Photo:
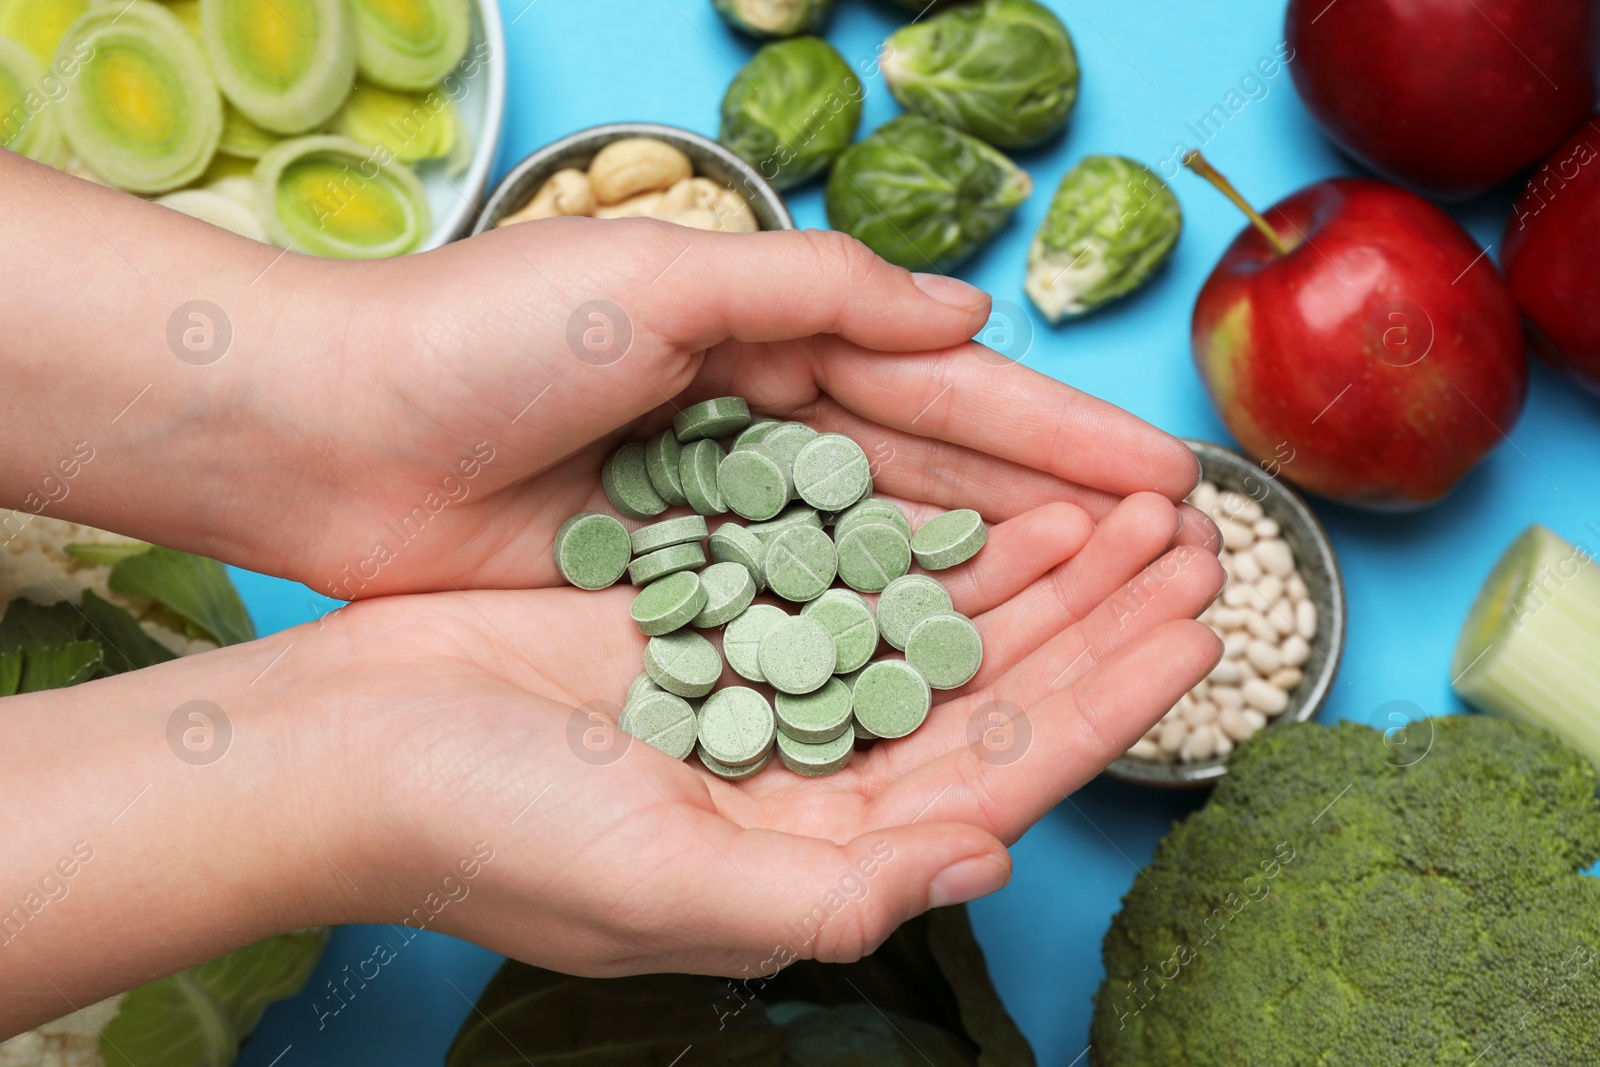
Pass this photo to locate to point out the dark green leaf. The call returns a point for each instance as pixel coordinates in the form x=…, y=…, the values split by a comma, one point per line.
x=106, y=555
x=10, y=673
x=859, y=1035
x=983, y=1016
x=57, y=668
x=194, y=588
x=246, y=981
x=170, y=1023
x=127, y=647
x=27, y=626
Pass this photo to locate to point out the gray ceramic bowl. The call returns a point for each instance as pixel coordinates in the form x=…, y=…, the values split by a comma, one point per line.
x=710, y=160
x=1313, y=554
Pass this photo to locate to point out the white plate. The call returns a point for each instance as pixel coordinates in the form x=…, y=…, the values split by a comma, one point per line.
x=479, y=90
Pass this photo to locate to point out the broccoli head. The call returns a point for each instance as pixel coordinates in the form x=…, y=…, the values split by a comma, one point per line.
x=1347, y=899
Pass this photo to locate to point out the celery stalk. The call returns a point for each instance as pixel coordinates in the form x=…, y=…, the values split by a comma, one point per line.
x=1530, y=648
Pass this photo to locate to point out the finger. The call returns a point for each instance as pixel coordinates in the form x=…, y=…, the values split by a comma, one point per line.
x=1019, y=553
x=1063, y=741
x=1198, y=529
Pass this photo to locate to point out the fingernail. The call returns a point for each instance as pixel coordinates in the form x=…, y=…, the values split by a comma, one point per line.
x=968, y=879
x=952, y=291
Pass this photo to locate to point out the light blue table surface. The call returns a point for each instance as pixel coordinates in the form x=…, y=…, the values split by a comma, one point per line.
x=1149, y=69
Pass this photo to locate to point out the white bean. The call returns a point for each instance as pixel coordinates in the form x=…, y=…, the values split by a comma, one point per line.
x=1226, y=672
x=1226, y=696
x=1224, y=744
x=1145, y=749
x=1246, y=566
x=1295, y=586
x=1224, y=617
x=1201, y=744
x=1305, y=619
x=1275, y=556
x=1286, y=678
x=1265, y=697
x=1266, y=528
x=1172, y=735
x=1246, y=671
x=1296, y=650
x=1254, y=719
x=1264, y=657
x=1202, y=713
x=1260, y=628
x=1201, y=689
x=1204, y=497
x=1232, y=503
x=1236, y=595
x=1281, y=615
x=1234, y=644
x=1232, y=724
x=1236, y=537
x=1270, y=587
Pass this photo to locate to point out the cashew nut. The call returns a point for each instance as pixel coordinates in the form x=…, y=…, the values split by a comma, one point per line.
x=706, y=205
x=635, y=165
x=566, y=192
x=645, y=205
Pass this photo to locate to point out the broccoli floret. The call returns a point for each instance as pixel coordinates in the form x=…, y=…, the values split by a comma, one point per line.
x=1342, y=899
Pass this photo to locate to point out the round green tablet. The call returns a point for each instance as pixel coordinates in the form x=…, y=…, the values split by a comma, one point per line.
x=588, y=548
x=668, y=604
x=800, y=563
x=697, y=469
x=662, y=721
x=907, y=601
x=872, y=509
x=831, y=472
x=873, y=554
x=783, y=443
x=741, y=640
x=712, y=418
x=816, y=760
x=663, y=455
x=736, y=726
x=758, y=429
x=752, y=484
x=668, y=532
x=948, y=539
x=627, y=483
x=729, y=590
x=849, y=619
x=946, y=648
x=793, y=515
x=732, y=543
x=821, y=715
x=639, y=687
x=665, y=561
x=797, y=655
x=861, y=732
x=891, y=698
x=683, y=662
x=733, y=774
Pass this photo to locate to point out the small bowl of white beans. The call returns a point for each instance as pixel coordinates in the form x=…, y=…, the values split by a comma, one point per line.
x=1281, y=617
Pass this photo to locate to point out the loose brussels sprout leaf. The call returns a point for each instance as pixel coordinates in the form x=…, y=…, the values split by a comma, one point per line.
x=414, y=126
x=39, y=25
x=143, y=111
x=170, y=1023
x=286, y=64
x=411, y=44
x=923, y=195
x=792, y=109
x=242, y=138
x=775, y=18
x=193, y=588
x=1002, y=70
x=330, y=196
x=218, y=209
x=1112, y=224
x=245, y=982
x=28, y=124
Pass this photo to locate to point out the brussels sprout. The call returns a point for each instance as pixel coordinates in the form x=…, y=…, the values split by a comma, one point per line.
x=1002, y=70
x=792, y=109
x=775, y=18
x=1112, y=223
x=923, y=195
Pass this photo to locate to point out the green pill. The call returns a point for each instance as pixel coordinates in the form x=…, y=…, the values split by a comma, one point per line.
x=793, y=515
x=662, y=721
x=741, y=640
x=891, y=698
x=860, y=732
x=948, y=539
x=873, y=554
x=816, y=760
x=733, y=774
x=729, y=590
x=800, y=563
x=663, y=455
x=752, y=484
x=712, y=418
x=817, y=716
x=907, y=601
x=587, y=549
x=946, y=649
x=683, y=663
x=796, y=655
x=627, y=483
x=667, y=533
x=783, y=444
x=736, y=726
x=757, y=430
x=697, y=469
x=872, y=509
x=639, y=687
x=848, y=618
x=732, y=543
x=831, y=472
x=668, y=604
x=665, y=561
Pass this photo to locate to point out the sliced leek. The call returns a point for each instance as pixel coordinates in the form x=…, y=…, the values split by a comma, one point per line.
x=219, y=209
x=1530, y=648
x=414, y=126
x=188, y=12
x=286, y=64
x=28, y=123
x=411, y=44
x=243, y=138
x=331, y=196
x=39, y=25
x=143, y=111
x=224, y=166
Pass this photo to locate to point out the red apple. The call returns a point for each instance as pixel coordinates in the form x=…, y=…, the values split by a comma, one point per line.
x=1447, y=96
x=1360, y=343
x=1551, y=255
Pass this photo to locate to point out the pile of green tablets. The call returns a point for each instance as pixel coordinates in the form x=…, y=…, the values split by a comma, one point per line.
x=815, y=689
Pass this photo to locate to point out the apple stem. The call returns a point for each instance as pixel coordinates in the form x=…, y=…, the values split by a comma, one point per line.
x=1198, y=163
